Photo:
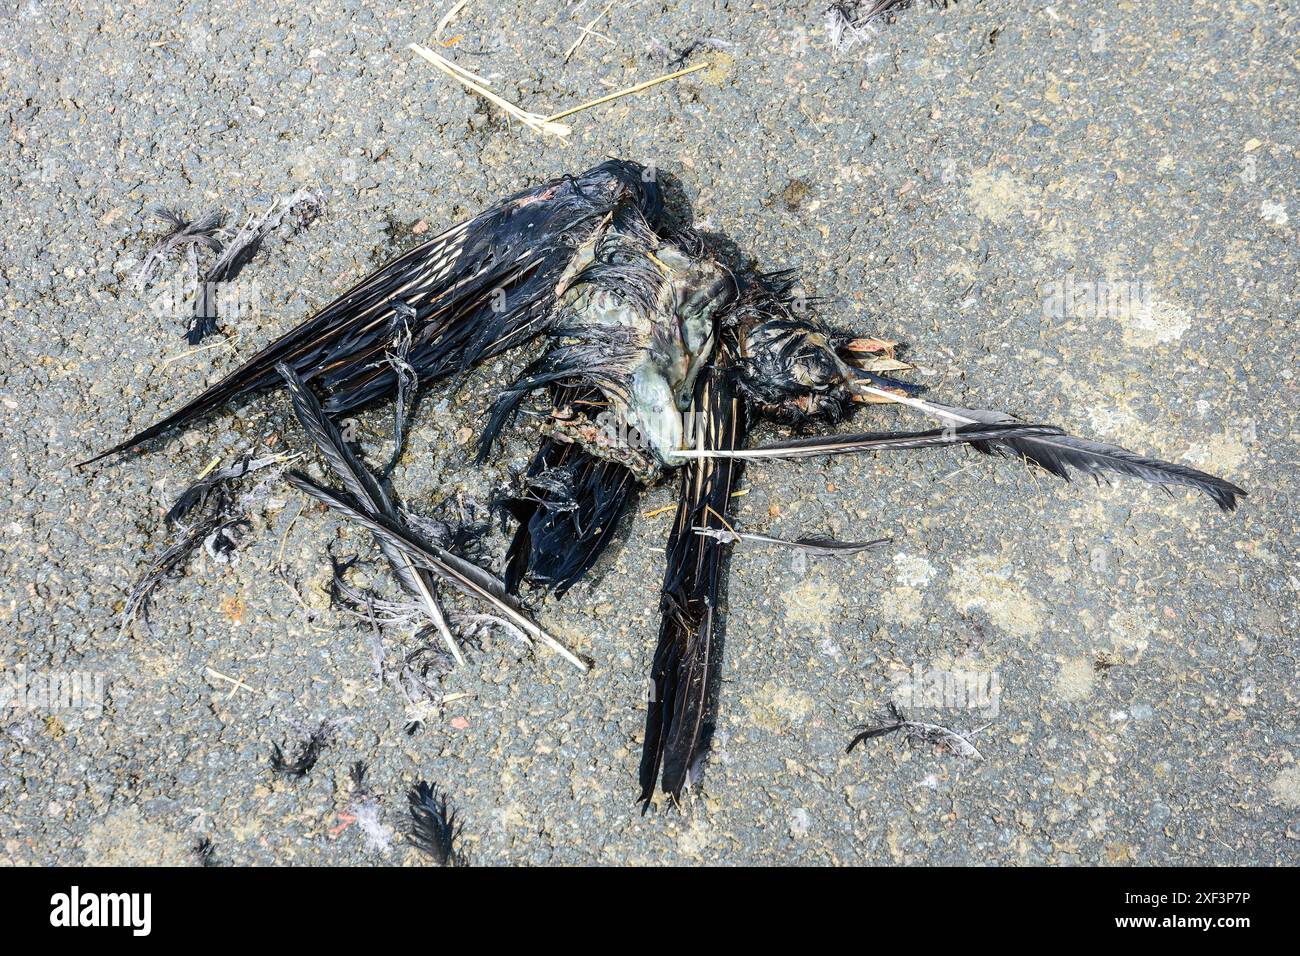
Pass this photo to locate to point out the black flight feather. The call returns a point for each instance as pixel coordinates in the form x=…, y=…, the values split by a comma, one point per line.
x=686, y=651
x=1058, y=453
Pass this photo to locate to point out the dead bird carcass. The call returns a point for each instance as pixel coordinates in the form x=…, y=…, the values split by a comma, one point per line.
x=656, y=355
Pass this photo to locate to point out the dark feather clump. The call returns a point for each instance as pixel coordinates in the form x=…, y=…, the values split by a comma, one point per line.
x=200, y=494
x=568, y=511
x=434, y=827
x=599, y=357
x=849, y=16
x=620, y=264
x=238, y=251
x=357, y=773
x=309, y=752
x=203, y=852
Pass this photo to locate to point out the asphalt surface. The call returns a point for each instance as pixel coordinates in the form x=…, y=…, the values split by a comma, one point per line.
x=937, y=183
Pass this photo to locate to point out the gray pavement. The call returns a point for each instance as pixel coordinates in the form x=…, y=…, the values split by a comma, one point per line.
x=945, y=182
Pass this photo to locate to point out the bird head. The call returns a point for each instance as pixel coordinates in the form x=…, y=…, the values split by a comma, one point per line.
x=797, y=370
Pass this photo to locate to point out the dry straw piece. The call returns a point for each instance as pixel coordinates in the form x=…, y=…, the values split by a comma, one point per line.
x=536, y=121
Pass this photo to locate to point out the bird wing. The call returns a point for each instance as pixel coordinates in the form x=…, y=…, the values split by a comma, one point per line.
x=476, y=290
x=568, y=509
x=688, y=633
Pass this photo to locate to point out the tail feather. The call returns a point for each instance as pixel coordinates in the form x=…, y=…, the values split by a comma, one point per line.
x=688, y=634
x=876, y=441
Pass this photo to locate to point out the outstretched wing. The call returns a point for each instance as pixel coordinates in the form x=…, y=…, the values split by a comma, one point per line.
x=475, y=290
x=687, y=652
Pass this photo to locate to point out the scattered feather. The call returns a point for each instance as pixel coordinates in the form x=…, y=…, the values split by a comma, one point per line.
x=185, y=238
x=238, y=251
x=848, y=22
x=919, y=731
x=171, y=560
x=209, y=516
x=817, y=545
x=364, y=808
x=198, y=495
x=434, y=828
x=309, y=752
x=678, y=56
x=423, y=697
x=203, y=852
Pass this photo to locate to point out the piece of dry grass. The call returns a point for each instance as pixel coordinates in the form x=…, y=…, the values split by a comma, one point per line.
x=535, y=121
x=627, y=91
x=588, y=30
x=477, y=84
x=447, y=17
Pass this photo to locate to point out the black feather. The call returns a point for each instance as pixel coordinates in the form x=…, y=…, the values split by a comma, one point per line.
x=184, y=236
x=203, y=852
x=1058, y=453
x=817, y=545
x=434, y=827
x=237, y=252
x=871, y=732
x=567, y=513
x=408, y=379
x=686, y=654
x=877, y=441
x=309, y=752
